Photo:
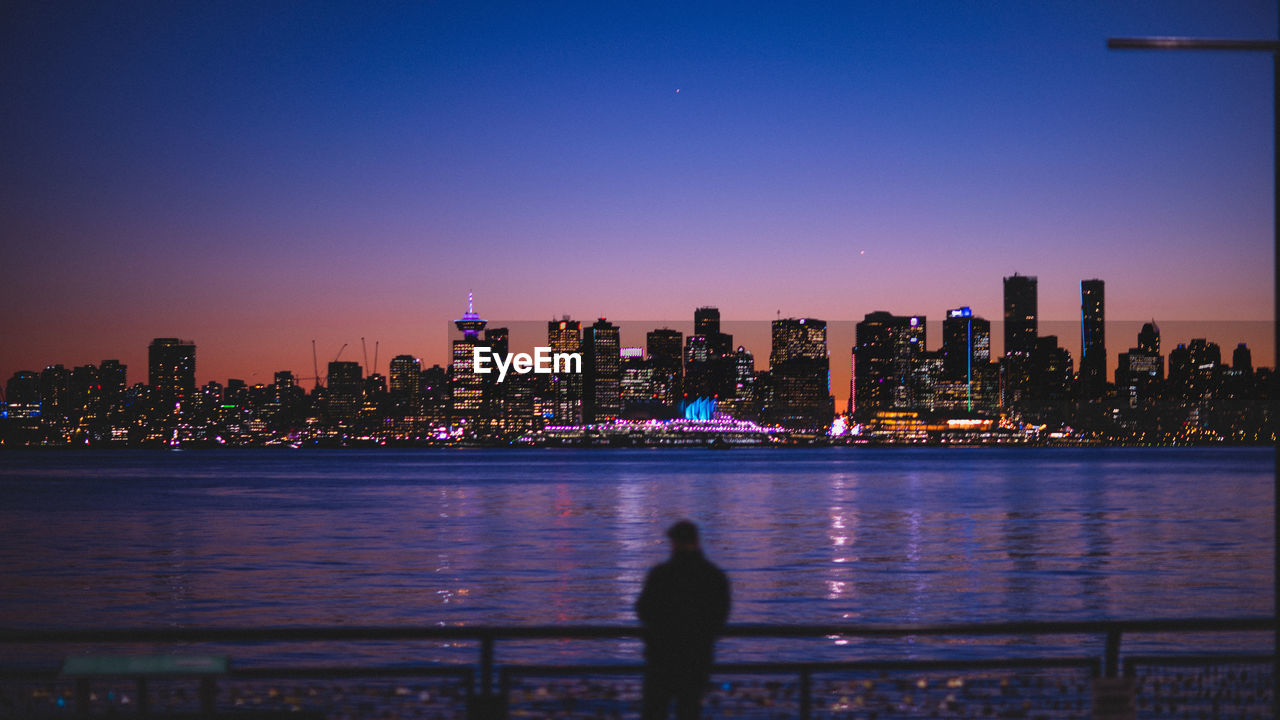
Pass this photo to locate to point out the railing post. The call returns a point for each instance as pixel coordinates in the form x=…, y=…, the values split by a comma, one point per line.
x=486, y=664
x=806, y=689
x=486, y=705
x=82, y=696
x=1113, y=653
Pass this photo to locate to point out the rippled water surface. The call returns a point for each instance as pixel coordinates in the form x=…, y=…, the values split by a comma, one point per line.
x=564, y=536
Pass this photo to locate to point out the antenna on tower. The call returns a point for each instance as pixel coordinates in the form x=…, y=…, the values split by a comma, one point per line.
x=470, y=307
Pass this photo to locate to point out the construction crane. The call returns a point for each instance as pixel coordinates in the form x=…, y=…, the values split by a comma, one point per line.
x=315, y=365
x=365, y=350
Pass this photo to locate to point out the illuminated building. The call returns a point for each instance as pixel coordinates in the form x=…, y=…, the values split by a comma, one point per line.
x=171, y=367
x=637, y=385
x=966, y=359
x=434, y=390
x=601, y=373
x=887, y=356
x=565, y=392
x=663, y=347
x=1139, y=374
x=22, y=393
x=406, y=376
x=87, y=411
x=55, y=396
x=698, y=378
x=1194, y=373
x=742, y=402
x=494, y=400
x=1093, y=347
x=706, y=322
x=702, y=430
x=112, y=374
x=466, y=387
x=708, y=358
x=346, y=389
x=800, y=391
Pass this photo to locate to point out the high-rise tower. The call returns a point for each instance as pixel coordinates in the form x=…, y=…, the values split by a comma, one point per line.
x=466, y=386
x=799, y=372
x=1093, y=346
x=1020, y=314
x=601, y=373
x=171, y=369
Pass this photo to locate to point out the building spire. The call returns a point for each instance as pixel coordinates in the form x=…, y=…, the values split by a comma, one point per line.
x=470, y=324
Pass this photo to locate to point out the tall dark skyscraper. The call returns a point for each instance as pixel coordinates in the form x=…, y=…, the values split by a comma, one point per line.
x=1020, y=314
x=1093, y=346
x=708, y=363
x=1149, y=337
x=1139, y=373
x=664, y=347
x=706, y=321
x=601, y=373
x=1021, y=329
x=346, y=389
x=171, y=369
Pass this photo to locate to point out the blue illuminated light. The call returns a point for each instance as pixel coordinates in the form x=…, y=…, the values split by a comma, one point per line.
x=703, y=408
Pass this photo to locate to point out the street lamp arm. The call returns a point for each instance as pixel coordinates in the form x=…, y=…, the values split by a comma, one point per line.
x=1187, y=43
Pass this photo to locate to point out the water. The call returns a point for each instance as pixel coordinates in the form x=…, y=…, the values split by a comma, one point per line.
x=540, y=536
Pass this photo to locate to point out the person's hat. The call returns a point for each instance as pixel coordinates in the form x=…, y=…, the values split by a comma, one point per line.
x=683, y=532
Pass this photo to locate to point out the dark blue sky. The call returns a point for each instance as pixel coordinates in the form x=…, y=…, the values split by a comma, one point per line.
x=256, y=175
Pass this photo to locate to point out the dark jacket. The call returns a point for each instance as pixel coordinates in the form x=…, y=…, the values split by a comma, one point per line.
x=684, y=605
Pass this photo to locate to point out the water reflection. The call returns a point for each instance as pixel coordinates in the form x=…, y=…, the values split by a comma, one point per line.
x=565, y=537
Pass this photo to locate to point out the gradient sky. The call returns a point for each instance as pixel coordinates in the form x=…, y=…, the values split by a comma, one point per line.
x=253, y=176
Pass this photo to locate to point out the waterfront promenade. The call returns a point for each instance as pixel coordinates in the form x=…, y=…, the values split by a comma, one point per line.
x=1200, y=667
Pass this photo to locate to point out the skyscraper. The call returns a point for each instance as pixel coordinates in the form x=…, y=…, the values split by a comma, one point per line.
x=663, y=347
x=601, y=373
x=1093, y=347
x=1139, y=374
x=565, y=390
x=966, y=356
x=886, y=346
x=171, y=370
x=1020, y=331
x=406, y=373
x=800, y=395
x=466, y=386
x=1020, y=314
x=346, y=389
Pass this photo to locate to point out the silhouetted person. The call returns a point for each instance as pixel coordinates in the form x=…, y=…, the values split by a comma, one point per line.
x=684, y=605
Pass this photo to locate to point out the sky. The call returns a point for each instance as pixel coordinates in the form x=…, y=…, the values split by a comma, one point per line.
x=255, y=176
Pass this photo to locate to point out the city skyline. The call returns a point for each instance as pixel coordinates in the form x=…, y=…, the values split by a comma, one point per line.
x=257, y=178
x=753, y=335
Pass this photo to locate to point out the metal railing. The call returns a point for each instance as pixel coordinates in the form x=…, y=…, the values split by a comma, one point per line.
x=477, y=681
